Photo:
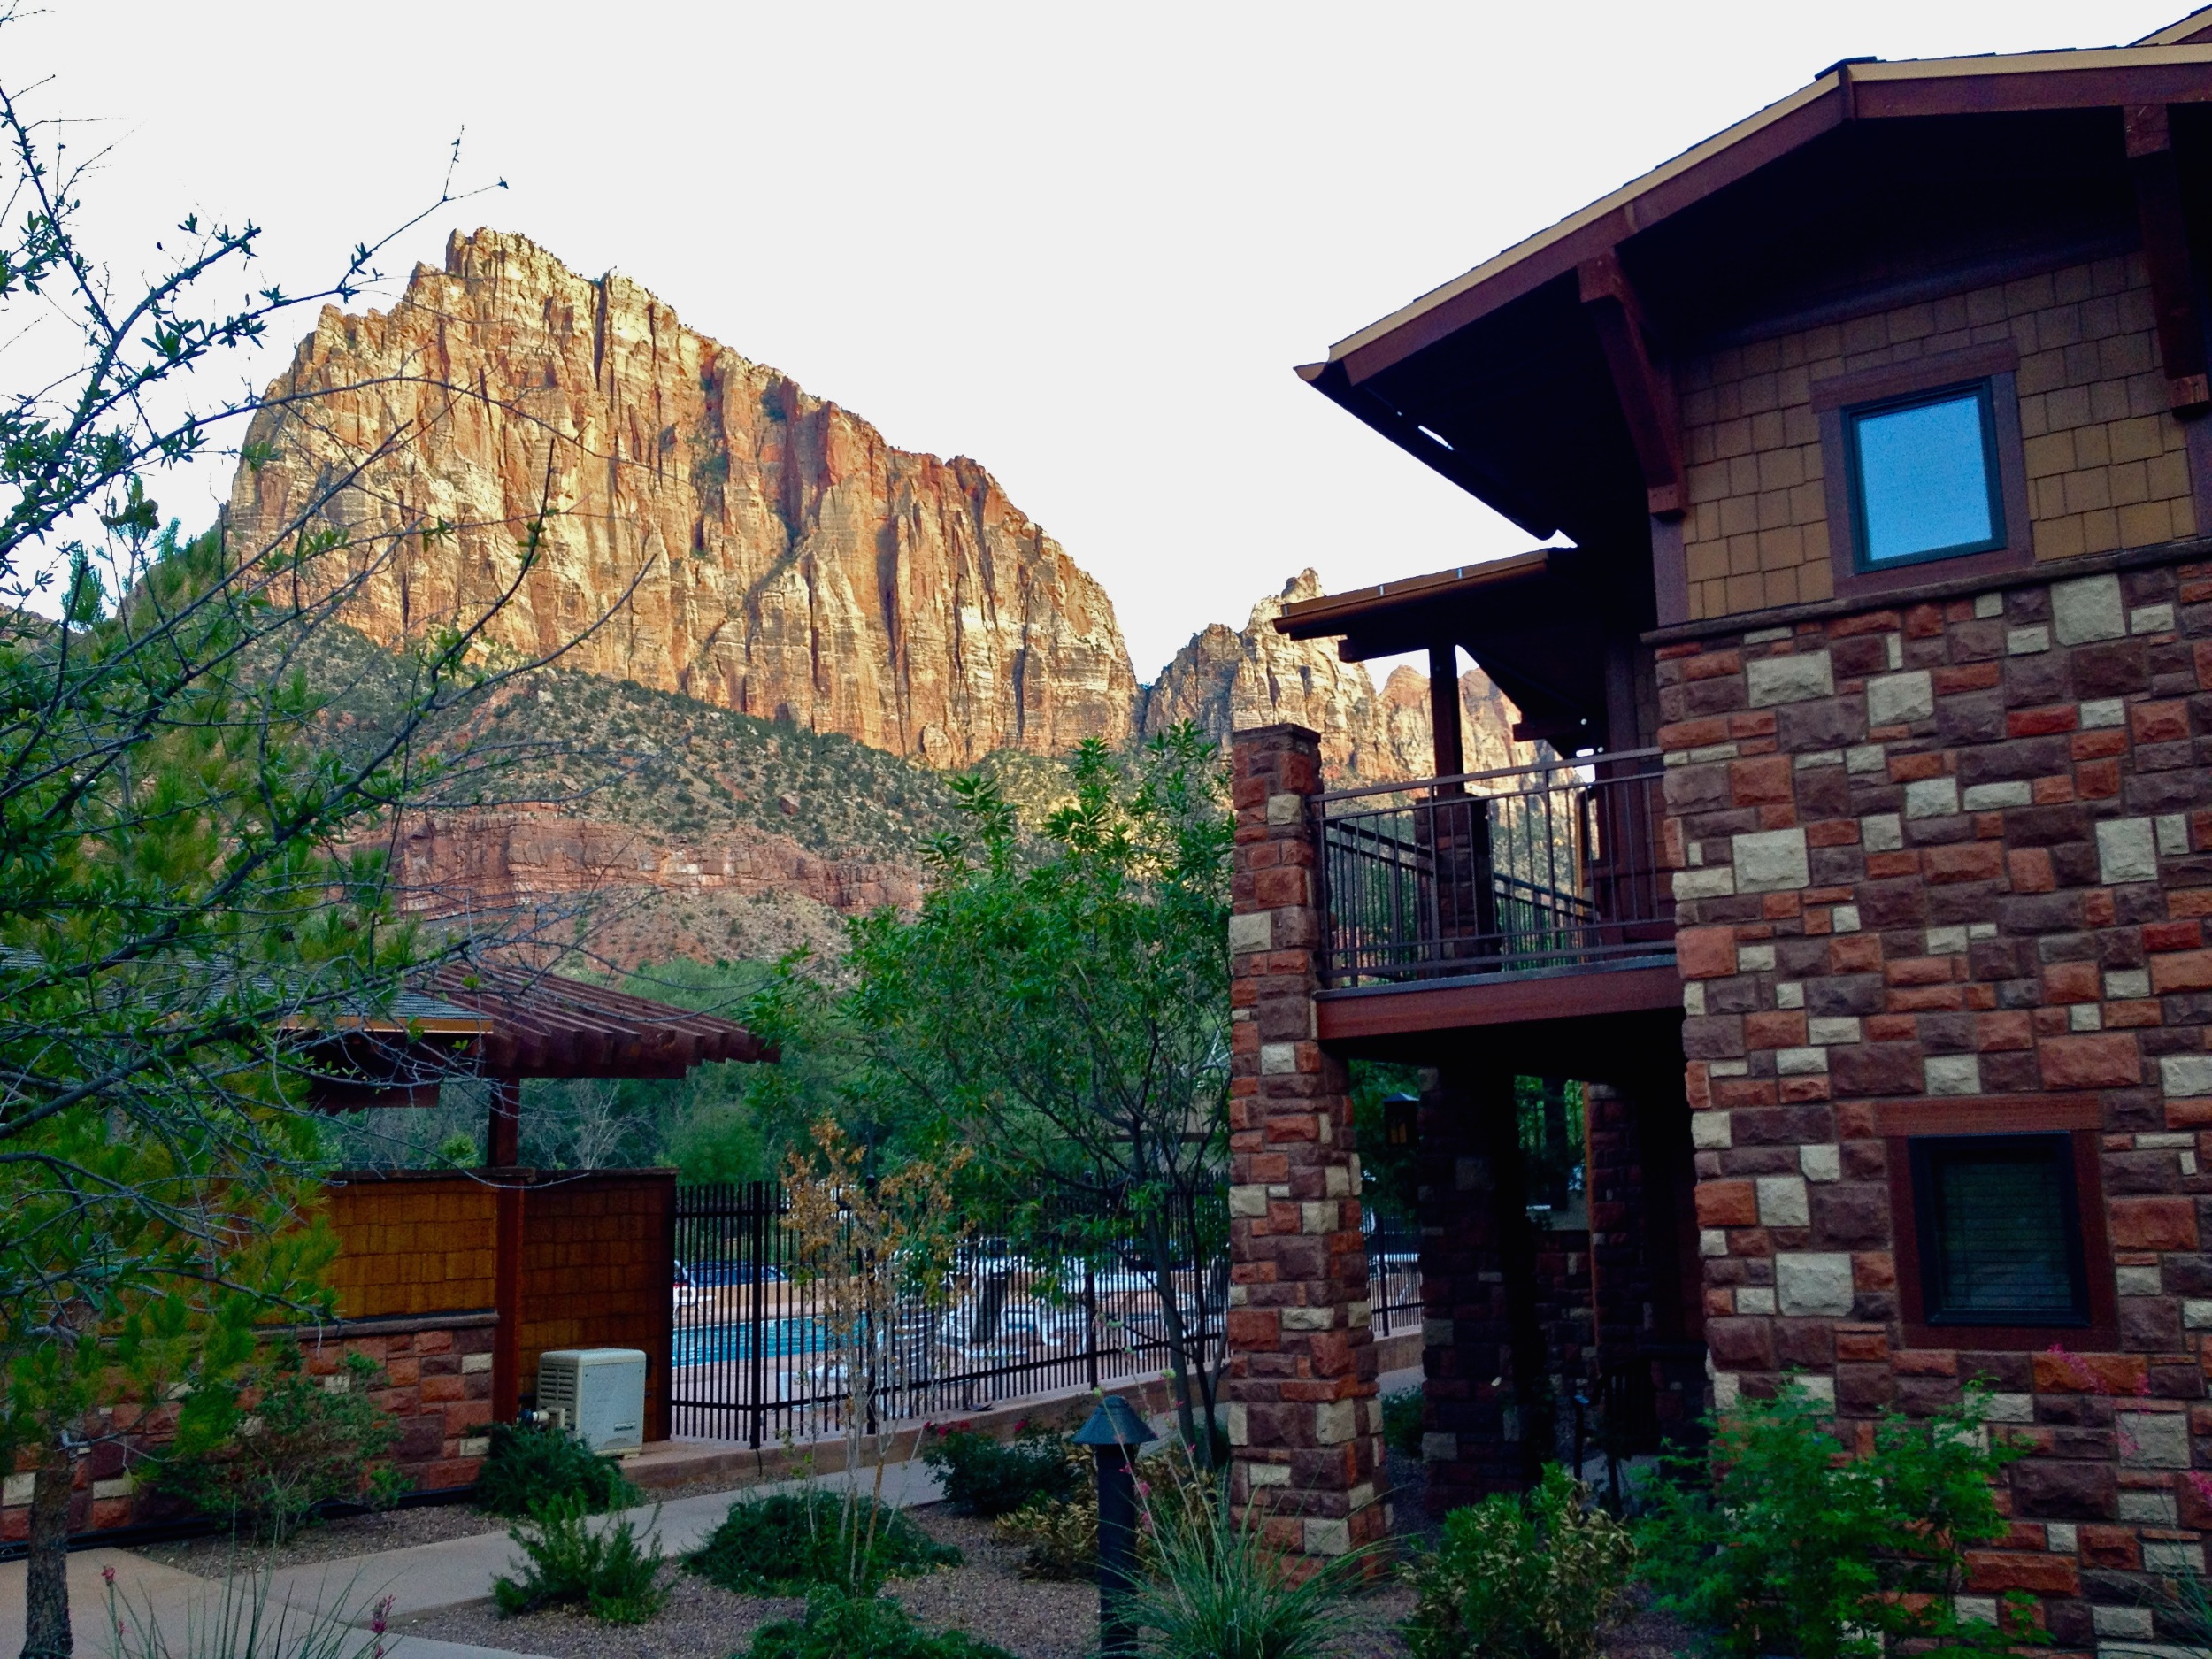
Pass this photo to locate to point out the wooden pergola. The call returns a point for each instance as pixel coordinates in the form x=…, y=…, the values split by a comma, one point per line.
x=507, y=1023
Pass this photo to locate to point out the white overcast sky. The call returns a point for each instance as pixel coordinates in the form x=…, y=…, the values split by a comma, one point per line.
x=1082, y=243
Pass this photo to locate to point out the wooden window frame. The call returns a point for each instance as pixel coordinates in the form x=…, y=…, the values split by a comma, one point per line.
x=1835, y=400
x=2080, y=1118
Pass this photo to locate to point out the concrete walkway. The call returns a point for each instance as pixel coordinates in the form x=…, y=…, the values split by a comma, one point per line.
x=420, y=1580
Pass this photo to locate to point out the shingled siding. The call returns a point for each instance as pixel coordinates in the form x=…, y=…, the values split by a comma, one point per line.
x=597, y=1255
x=1950, y=867
x=2105, y=461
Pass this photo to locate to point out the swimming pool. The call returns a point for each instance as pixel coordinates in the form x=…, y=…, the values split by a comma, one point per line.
x=780, y=1339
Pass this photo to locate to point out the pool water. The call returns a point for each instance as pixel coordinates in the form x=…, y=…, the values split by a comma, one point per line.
x=779, y=1339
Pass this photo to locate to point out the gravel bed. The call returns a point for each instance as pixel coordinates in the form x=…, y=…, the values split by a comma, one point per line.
x=698, y=1620
x=986, y=1597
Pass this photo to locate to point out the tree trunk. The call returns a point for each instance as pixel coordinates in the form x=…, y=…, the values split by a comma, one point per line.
x=46, y=1566
x=1178, y=1334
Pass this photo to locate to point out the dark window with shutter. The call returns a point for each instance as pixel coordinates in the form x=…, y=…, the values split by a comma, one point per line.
x=2000, y=1229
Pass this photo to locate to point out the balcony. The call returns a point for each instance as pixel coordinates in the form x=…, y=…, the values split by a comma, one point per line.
x=1533, y=871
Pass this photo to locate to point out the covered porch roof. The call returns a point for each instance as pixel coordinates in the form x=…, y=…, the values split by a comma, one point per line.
x=1528, y=621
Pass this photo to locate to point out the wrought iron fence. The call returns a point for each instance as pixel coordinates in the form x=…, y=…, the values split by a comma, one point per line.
x=758, y=1358
x=1554, y=865
x=1394, y=1274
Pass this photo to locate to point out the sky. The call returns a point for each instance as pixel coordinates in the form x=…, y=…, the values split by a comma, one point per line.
x=1084, y=245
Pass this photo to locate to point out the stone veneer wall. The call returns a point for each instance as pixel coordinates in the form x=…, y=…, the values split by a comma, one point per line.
x=2105, y=460
x=1947, y=860
x=1305, y=1419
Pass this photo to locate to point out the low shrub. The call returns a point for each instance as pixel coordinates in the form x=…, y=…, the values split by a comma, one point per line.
x=1539, y=1577
x=793, y=1541
x=528, y=1466
x=839, y=1625
x=987, y=1477
x=1401, y=1421
x=1775, y=1542
x=606, y=1572
x=263, y=1455
x=1058, y=1537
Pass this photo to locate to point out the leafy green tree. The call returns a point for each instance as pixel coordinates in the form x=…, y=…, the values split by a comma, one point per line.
x=1060, y=1003
x=186, y=907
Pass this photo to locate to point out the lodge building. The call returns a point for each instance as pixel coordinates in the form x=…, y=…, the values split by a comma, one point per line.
x=1868, y=894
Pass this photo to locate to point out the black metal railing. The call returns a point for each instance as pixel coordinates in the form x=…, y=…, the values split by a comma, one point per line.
x=1556, y=865
x=759, y=1357
x=1394, y=1273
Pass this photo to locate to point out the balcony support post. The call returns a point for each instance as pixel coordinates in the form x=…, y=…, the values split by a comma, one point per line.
x=1305, y=1421
x=1444, y=713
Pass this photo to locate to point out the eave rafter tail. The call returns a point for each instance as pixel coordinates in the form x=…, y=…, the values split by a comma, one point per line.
x=1645, y=390
x=2159, y=206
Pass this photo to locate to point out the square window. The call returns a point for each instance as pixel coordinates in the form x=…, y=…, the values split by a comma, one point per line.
x=1923, y=477
x=2000, y=1229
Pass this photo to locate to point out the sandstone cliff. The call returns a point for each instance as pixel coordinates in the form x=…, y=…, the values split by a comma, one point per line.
x=1228, y=681
x=779, y=558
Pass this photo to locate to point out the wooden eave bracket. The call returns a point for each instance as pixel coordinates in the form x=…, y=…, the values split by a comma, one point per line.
x=2166, y=258
x=1645, y=391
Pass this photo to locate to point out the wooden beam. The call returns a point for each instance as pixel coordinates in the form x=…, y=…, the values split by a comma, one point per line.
x=2158, y=205
x=1444, y=721
x=507, y=1298
x=1646, y=394
x=1497, y=1000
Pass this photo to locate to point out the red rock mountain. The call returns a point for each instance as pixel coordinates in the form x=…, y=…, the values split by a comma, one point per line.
x=1227, y=681
x=749, y=546
x=779, y=559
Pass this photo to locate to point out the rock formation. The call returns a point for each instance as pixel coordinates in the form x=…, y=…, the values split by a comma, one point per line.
x=1229, y=680
x=745, y=544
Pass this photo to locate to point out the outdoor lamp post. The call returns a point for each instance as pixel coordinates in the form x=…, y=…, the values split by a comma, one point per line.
x=1113, y=1434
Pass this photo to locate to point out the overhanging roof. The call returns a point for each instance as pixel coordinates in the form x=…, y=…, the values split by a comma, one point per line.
x=2196, y=26
x=1869, y=91
x=474, y=1019
x=542, y=1024
x=1527, y=620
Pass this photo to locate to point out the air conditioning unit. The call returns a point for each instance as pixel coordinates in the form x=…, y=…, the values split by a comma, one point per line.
x=598, y=1392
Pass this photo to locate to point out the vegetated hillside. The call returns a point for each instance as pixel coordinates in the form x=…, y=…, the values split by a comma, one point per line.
x=675, y=767
x=672, y=829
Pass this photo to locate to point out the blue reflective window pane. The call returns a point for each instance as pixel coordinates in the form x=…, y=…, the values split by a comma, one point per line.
x=1923, y=479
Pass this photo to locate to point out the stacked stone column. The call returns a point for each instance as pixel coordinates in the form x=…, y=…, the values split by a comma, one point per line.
x=1305, y=1421
x=1486, y=1424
